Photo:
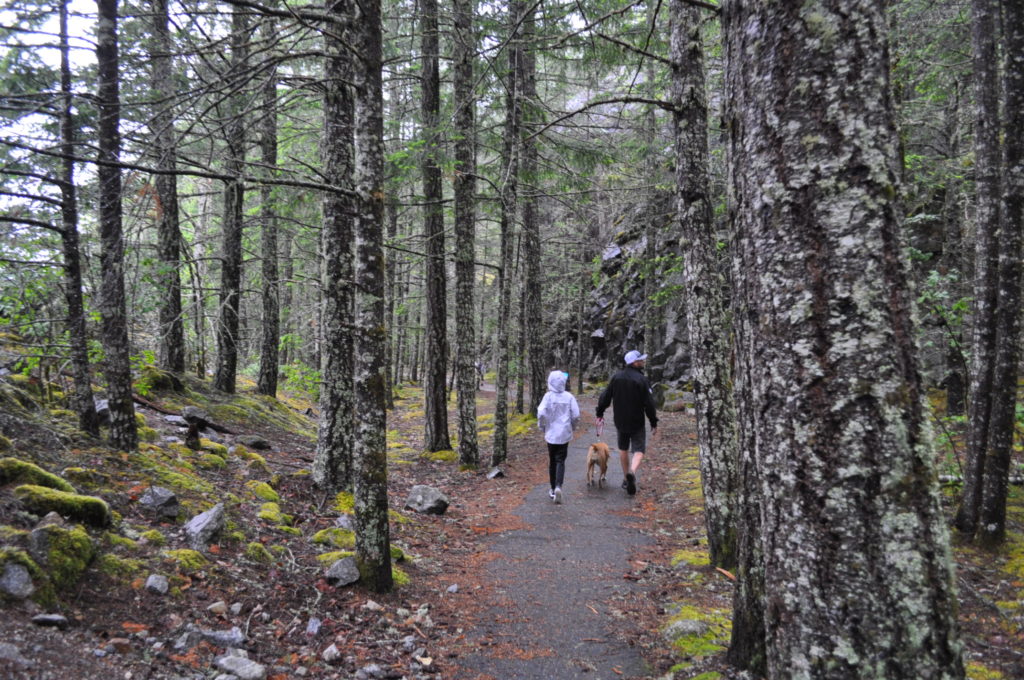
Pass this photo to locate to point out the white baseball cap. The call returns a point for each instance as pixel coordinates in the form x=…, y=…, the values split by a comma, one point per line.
x=632, y=355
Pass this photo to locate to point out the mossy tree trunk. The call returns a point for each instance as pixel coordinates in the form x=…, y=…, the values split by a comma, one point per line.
x=172, y=327
x=435, y=367
x=703, y=288
x=114, y=336
x=830, y=386
x=85, y=407
x=234, y=203
x=465, y=230
x=332, y=466
x=373, y=550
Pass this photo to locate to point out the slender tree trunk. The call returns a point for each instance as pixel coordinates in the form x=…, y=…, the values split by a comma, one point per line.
x=116, y=370
x=707, y=323
x=287, y=265
x=172, y=327
x=234, y=215
x=985, y=22
x=992, y=527
x=333, y=464
x=271, y=336
x=509, y=201
x=85, y=407
x=436, y=367
x=852, y=521
x=373, y=552
x=465, y=228
x=391, y=282
x=537, y=366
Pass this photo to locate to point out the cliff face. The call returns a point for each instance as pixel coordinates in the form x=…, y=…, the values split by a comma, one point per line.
x=618, y=308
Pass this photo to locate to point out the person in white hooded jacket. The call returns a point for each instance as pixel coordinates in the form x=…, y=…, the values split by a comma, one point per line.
x=558, y=415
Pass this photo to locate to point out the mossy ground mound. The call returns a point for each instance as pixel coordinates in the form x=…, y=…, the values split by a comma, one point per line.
x=15, y=471
x=77, y=508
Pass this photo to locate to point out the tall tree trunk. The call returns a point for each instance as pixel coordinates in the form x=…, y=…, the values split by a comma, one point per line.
x=85, y=407
x=373, y=552
x=465, y=230
x=992, y=527
x=114, y=336
x=333, y=465
x=537, y=367
x=852, y=522
x=436, y=366
x=271, y=326
x=985, y=22
x=234, y=215
x=172, y=328
x=509, y=201
x=705, y=307
x=391, y=283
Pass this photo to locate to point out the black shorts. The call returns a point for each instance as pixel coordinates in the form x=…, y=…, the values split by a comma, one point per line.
x=638, y=440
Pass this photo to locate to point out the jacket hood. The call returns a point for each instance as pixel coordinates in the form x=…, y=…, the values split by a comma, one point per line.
x=556, y=381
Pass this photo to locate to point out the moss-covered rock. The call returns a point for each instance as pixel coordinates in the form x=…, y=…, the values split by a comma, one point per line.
x=186, y=560
x=10, y=534
x=15, y=471
x=64, y=552
x=214, y=448
x=257, y=553
x=445, y=456
x=44, y=594
x=328, y=558
x=154, y=537
x=399, y=577
x=210, y=461
x=5, y=443
x=148, y=434
x=153, y=379
x=339, y=538
x=117, y=541
x=77, y=508
x=271, y=512
x=263, y=491
x=121, y=568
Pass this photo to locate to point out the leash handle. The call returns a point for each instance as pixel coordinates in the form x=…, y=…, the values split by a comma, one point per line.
x=600, y=426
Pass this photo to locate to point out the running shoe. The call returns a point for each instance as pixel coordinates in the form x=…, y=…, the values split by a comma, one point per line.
x=630, y=483
x=557, y=495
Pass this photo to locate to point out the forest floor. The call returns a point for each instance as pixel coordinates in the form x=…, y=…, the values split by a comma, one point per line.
x=488, y=594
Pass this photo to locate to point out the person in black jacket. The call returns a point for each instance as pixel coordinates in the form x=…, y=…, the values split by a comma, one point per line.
x=629, y=394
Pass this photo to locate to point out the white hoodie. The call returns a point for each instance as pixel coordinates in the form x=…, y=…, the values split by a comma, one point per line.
x=558, y=413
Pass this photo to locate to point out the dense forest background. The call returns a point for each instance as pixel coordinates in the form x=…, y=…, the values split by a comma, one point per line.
x=340, y=198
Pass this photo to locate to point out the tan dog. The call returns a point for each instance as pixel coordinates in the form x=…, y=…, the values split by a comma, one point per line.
x=597, y=456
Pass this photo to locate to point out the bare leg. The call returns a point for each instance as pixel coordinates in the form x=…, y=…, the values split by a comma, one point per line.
x=638, y=457
x=624, y=459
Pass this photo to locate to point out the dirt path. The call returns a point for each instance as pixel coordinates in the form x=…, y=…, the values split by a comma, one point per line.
x=552, y=608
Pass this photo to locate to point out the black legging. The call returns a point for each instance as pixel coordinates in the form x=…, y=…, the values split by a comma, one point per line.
x=556, y=463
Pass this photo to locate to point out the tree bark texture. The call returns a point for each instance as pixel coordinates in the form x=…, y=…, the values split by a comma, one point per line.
x=333, y=464
x=270, y=293
x=703, y=287
x=114, y=336
x=373, y=550
x=465, y=230
x=234, y=215
x=436, y=360
x=984, y=27
x=852, y=524
x=509, y=201
x=533, y=320
x=992, y=525
x=82, y=398
x=172, y=328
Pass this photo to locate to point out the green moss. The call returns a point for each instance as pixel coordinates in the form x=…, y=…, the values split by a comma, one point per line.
x=5, y=443
x=140, y=420
x=977, y=671
x=271, y=512
x=148, y=434
x=214, y=447
x=10, y=534
x=345, y=503
x=712, y=641
x=119, y=567
x=399, y=554
x=334, y=536
x=186, y=560
x=446, y=456
x=42, y=500
x=227, y=412
x=118, y=541
x=63, y=413
x=210, y=461
x=329, y=558
x=45, y=594
x=399, y=577
x=300, y=473
x=257, y=553
x=521, y=424
x=694, y=558
x=154, y=537
x=152, y=379
x=68, y=553
x=292, y=531
x=263, y=491
x=14, y=471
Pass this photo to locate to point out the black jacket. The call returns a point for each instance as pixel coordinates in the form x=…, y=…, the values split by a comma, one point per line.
x=629, y=393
